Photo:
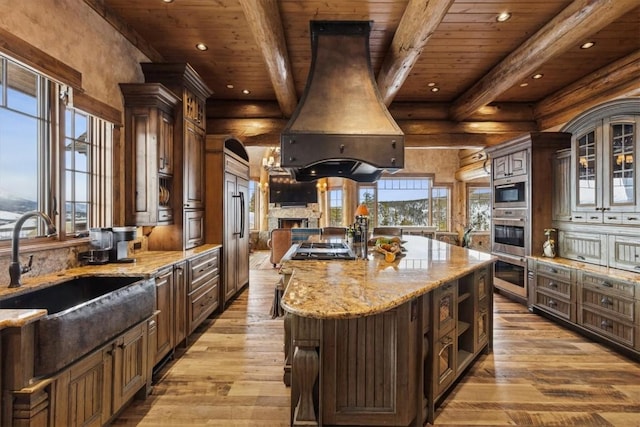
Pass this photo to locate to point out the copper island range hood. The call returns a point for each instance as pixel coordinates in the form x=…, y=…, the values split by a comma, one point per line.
x=341, y=127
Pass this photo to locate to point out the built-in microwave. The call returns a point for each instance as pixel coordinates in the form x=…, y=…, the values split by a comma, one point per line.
x=510, y=193
x=510, y=274
x=508, y=235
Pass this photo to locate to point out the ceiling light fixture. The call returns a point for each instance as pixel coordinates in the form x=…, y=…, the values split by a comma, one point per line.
x=435, y=89
x=202, y=46
x=537, y=76
x=431, y=84
x=246, y=91
x=229, y=86
x=524, y=84
x=504, y=16
x=587, y=45
x=167, y=1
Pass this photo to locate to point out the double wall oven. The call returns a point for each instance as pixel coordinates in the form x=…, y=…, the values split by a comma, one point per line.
x=509, y=242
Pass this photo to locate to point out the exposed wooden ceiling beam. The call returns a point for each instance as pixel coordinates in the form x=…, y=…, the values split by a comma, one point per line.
x=616, y=79
x=568, y=29
x=266, y=25
x=419, y=20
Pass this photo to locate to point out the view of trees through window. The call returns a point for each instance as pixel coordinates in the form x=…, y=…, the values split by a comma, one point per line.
x=478, y=208
x=406, y=201
x=335, y=207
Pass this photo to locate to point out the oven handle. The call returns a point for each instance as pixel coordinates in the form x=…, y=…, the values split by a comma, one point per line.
x=500, y=187
x=510, y=219
x=521, y=261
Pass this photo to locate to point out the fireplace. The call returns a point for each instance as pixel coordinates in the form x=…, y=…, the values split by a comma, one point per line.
x=293, y=222
x=293, y=217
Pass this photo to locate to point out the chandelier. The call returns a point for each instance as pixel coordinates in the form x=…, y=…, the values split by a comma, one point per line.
x=271, y=162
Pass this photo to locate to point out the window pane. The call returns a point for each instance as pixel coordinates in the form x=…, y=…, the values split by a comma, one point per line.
x=587, y=169
x=403, y=201
x=22, y=89
x=80, y=159
x=335, y=207
x=440, y=208
x=81, y=187
x=479, y=208
x=622, y=165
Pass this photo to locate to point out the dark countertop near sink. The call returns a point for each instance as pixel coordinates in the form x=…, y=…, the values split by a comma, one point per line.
x=147, y=264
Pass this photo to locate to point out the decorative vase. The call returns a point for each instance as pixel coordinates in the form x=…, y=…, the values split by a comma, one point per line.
x=549, y=245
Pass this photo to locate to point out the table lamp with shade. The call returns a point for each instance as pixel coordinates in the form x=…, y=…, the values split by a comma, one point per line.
x=362, y=220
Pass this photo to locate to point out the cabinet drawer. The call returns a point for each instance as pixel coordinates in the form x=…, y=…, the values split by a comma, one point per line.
x=622, y=308
x=203, y=302
x=616, y=330
x=554, y=271
x=586, y=247
x=608, y=285
x=201, y=266
x=554, y=285
x=165, y=216
x=554, y=305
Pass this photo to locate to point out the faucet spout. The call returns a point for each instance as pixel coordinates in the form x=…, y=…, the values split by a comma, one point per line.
x=15, y=269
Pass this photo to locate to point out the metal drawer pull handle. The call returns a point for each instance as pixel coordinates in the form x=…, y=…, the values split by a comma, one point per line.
x=553, y=270
x=553, y=285
x=607, y=285
x=605, y=324
x=580, y=257
x=612, y=217
x=552, y=303
x=632, y=218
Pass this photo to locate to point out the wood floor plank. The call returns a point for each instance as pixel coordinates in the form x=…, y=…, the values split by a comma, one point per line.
x=539, y=374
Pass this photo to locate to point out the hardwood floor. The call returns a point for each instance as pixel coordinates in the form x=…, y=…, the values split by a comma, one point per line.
x=539, y=374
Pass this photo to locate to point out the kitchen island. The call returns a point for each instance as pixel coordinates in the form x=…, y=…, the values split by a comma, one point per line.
x=369, y=342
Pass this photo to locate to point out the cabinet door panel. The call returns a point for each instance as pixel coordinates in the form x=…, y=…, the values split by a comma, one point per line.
x=193, y=162
x=130, y=365
x=164, y=324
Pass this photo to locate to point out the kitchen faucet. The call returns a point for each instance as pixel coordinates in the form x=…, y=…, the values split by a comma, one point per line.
x=15, y=269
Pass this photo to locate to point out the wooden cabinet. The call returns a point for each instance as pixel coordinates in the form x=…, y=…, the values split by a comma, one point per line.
x=165, y=321
x=227, y=210
x=193, y=175
x=561, y=203
x=180, y=302
x=583, y=246
x=554, y=290
x=93, y=390
x=605, y=173
x=532, y=160
x=203, y=288
x=624, y=252
x=188, y=227
x=510, y=165
x=149, y=180
x=600, y=304
x=461, y=315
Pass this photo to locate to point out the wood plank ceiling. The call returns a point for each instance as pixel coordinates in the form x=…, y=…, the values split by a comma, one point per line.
x=483, y=69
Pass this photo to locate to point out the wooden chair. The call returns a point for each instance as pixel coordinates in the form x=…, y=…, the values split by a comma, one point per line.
x=387, y=231
x=279, y=243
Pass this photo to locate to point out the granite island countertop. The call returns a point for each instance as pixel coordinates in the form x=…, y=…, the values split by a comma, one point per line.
x=340, y=289
x=147, y=264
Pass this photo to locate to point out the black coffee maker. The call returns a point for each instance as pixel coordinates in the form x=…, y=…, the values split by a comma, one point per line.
x=120, y=249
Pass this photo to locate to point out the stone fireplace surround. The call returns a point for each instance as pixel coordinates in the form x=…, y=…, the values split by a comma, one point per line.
x=293, y=215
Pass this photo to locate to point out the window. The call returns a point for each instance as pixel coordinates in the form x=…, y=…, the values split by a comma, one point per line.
x=406, y=201
x=335, y=207
x=73, y=183
x=478, y=207
x=254, y=202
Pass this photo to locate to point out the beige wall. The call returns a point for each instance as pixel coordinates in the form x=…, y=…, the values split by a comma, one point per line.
x=75, y=34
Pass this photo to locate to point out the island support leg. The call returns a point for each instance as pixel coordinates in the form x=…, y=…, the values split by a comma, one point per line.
x=305, y=371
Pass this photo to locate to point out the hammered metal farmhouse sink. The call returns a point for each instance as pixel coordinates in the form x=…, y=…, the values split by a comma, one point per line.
x=83, y=313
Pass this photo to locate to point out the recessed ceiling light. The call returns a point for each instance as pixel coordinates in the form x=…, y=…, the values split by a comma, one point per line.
x=537, y=76
x=246, y=91
x=431, y=84
x=167, y=1
x=202, y=46
x=587, y=45
x=435, y=89
x=229, y=86
x=524, y=84
x=504, y=16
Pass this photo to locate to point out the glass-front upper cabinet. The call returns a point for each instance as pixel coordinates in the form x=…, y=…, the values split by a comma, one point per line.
x=621, y=158
x=606, y=171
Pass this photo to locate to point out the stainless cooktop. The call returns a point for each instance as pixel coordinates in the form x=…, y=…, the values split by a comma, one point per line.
x=323, y=251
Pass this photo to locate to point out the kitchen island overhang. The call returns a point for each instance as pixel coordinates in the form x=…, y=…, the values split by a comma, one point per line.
x=374, y=343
